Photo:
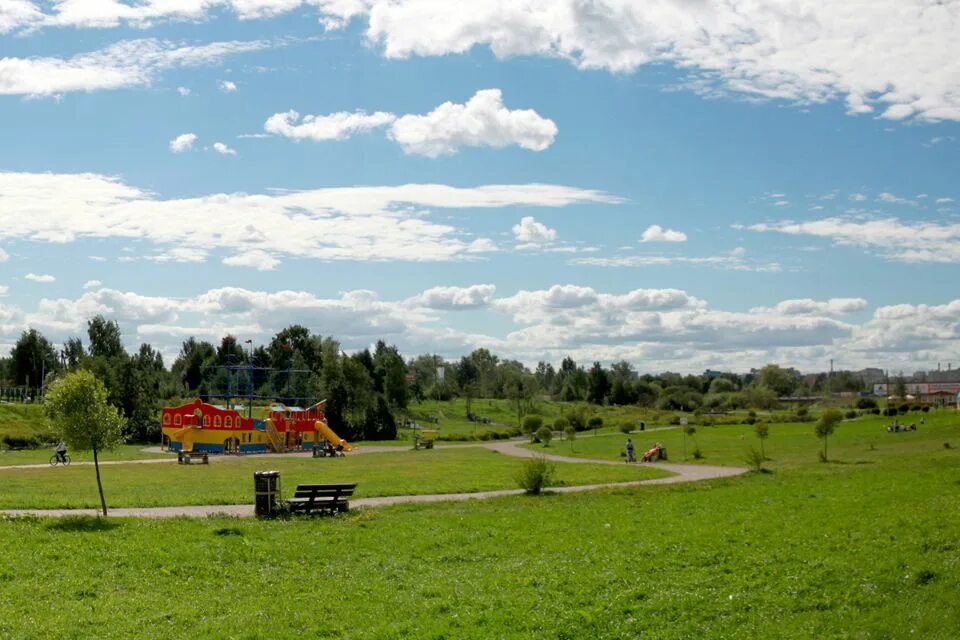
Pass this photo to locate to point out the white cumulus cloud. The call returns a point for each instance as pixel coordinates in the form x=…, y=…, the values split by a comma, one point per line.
x=183, y=142
x=483, y=121
x=533, y=234
x=656, y=233
x=40, y=277
x=223, y=149
x=227, y=86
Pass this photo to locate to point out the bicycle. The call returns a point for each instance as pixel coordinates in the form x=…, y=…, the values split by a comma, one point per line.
x=55, y=460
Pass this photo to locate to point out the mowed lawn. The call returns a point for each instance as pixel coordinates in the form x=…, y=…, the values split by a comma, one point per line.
x=861, y=440
x=810, y=551
x=230, y=480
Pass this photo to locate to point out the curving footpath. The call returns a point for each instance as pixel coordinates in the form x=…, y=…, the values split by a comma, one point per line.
x=682, y=473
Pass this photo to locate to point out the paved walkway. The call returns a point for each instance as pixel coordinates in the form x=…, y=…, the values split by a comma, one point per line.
x=682, y=473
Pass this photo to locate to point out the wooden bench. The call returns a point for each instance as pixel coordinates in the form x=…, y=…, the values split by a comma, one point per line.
x=188, y=457
x=325, y=498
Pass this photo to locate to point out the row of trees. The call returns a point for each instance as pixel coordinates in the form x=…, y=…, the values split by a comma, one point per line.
x=367, y=392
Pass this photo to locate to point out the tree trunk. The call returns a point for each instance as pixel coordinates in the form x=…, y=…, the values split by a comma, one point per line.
x=96, y=465
x=824, y=448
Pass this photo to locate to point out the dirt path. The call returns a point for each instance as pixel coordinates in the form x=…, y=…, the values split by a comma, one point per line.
x=682, y=473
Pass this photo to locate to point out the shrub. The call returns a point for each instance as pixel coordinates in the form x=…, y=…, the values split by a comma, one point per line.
x=866, y=403
x=850, y=415
x=570, y=434
x=21, y=442
x=531, y=424
x=802, y=412
x=903, y=408
x=754, y=459
x=925, y=409
x=486, y=435
x=915, y=407
x=545, y=435
x=535, y=474
x=561, y=424
x=876, y=410
x=890, y=411
x=749, y=420
x=626, y=427
x=697, y=454
x=595, y=422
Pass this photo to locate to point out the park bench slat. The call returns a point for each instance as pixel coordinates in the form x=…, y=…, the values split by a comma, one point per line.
x=322, y=497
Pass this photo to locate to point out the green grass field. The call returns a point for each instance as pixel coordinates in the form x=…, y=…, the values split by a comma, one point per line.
x=817, y=551
x=230, y=481
x=865, y=546
x=861, y=440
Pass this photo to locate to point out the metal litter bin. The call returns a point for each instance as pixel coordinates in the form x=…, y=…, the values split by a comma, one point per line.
x=266, y=493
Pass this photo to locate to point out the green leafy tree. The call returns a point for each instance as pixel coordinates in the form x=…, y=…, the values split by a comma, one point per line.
x=105, y=339
x=570, y=434
x=32, y=357
x=531, y=425
x=78, y=409
x=545, y=435
x=598, y=384
x=825, y=427
x=779, y=380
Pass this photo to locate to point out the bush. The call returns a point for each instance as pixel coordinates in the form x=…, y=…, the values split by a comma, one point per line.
x=21, y=442
x=890, y=411
x=626, y=427
x=595, y=422
x=486, y=435
x=534, y=475
x=570, y=434
x=903, y=408
x=697, y=454
x=561, y=424
x=802, y=412
x=749, y=420
x=876, y=410
x=754, y=459
x=925, y=409
x=545, y=435
x=915, y=407
x=850, y=415
x=531, y=424
x=866, y=403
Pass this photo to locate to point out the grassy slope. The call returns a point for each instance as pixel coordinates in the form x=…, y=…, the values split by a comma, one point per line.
x=231, y=481
x=817, y=551
x=22, y=420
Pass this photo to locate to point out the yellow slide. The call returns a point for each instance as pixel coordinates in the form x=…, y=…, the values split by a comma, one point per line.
x=184, y=436
x=330, y=436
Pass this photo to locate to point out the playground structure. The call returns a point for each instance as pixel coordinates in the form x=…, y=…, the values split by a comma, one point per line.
x=199, y=427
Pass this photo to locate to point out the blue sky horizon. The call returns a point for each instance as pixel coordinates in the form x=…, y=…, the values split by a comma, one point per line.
x=718, y=185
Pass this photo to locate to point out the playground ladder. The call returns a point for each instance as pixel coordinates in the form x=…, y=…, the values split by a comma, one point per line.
x=275, y=440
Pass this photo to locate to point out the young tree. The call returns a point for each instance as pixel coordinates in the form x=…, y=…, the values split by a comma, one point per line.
x=531, y=425
x=763, y=431
x=545, y=435
x=828, y=421
x=595, y=423
x=77, y=407
x=570, y=433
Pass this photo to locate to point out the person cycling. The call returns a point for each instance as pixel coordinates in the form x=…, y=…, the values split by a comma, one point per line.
x=61, y=452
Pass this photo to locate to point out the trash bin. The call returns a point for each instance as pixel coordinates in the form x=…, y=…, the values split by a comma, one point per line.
x=266, y=493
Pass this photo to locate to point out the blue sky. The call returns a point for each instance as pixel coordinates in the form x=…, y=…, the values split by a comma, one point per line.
x=683, y=188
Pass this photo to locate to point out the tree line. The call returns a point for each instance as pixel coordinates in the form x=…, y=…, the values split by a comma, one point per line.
x=369, y=391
